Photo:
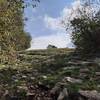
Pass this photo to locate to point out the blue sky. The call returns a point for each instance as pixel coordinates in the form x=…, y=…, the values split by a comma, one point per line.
x=43, y=25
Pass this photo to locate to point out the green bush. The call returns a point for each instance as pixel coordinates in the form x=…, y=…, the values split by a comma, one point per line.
x=86, y=33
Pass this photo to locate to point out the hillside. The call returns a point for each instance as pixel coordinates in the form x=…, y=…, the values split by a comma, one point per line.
x=52, y=74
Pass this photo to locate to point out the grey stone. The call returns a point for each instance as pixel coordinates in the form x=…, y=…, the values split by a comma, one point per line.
x=63, y=95
x=97, y=73
x=73, y=80
x=30, y=96
x=91, y=95
x=85, y=70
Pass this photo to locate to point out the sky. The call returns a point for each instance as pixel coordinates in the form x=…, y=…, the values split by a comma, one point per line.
x=44, y=23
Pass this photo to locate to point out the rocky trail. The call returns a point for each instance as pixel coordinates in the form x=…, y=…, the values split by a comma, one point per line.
x=56, y=74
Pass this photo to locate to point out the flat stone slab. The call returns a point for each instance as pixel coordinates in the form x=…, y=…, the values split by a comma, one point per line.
x=84, y=70
x=91, y=95
x=73, y=80
x=97, y=73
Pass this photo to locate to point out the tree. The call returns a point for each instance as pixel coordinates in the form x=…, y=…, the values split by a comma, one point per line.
x=12, y=33
x=51, y=46
x=86, y=31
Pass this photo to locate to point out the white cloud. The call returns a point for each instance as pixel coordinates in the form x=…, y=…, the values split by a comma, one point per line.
x=52, y=23
x=60, y=39
x=67, y=14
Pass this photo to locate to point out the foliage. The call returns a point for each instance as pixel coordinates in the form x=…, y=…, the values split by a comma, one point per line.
x=12, y=35
x=86, y=32
x=51, y=46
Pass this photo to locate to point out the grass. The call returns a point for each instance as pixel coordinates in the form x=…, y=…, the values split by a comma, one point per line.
x=47, y=67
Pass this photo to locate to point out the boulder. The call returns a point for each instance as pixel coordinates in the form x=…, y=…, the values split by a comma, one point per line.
x=84, y=70
x=30, y=96
x=72, y=63
x=76, y=96
x=91, y=95
x=70, y=68
x=97, y=73
x=24, y=77
x=88, y=63
x=73, y=80
x=63, y=95
x=97, y=60
x=56, y=89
